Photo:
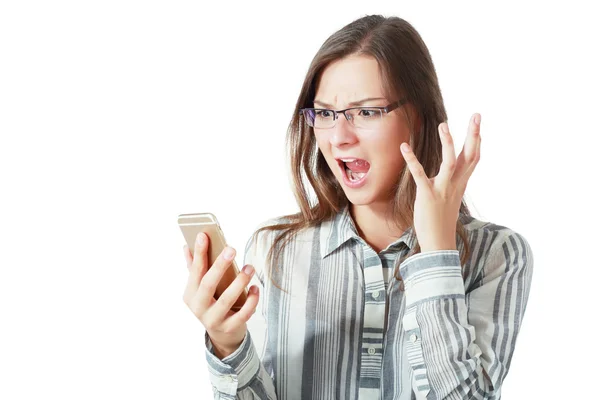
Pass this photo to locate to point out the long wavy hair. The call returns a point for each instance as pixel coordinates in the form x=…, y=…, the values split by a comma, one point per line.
x=408, y=72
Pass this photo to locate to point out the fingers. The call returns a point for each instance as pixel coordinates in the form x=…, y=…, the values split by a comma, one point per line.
x=210, y=281
x=415, y=167
x=244, y=314
x=470, y=154
x=231, y=294
x=448, y=158
x=197, y=268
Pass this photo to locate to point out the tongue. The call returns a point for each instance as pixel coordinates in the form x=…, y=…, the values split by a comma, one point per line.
x=358, y=166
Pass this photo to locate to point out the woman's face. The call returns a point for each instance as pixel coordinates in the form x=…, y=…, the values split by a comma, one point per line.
x=351, y=80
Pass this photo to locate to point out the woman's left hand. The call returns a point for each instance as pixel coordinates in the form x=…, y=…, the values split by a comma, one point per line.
x=438, y=199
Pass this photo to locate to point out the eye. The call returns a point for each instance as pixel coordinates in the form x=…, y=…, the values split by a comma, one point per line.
x=368, y=113
x=323, y=113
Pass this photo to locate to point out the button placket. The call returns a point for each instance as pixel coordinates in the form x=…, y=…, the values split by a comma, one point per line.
x=373, y=318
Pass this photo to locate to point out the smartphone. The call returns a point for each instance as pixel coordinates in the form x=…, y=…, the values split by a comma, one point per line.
x=191, y=225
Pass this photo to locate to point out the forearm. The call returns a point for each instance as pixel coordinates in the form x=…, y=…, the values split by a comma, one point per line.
x=461, y=343
x=451, y=360
x=439, y=341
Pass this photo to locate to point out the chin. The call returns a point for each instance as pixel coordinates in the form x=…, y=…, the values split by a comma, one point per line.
x=367, y=194
x=360, y=197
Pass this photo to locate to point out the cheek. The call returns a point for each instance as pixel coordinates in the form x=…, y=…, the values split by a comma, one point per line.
x=390, y=161
x=387, y=148
x=321, y=144
x=392, y=164
x=325, y=149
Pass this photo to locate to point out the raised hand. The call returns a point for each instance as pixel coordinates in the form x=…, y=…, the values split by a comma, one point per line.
x=438, y=199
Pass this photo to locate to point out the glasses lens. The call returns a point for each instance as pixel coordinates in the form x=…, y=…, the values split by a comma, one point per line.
x=362, y=118
x=366, y=118
x=319, y=118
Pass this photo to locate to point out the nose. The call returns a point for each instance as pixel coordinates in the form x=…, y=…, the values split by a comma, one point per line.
x=343, y=132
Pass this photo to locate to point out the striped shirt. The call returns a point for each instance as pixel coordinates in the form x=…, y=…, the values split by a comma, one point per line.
x=344, y=330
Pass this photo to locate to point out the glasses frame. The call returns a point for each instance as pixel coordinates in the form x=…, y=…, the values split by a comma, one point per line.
x=387, y=109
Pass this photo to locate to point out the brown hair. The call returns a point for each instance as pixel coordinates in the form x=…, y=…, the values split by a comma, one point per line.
x=407, y=72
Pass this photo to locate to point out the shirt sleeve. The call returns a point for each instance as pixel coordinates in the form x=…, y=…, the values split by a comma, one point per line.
x=460, y=345
x=242, y=375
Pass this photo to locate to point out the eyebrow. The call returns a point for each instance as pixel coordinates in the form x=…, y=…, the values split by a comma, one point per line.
x=353, y=103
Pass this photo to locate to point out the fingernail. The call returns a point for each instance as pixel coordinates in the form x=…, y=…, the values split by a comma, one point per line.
x=445, y=127
x=477, y=119
x=248, y=269
x=405, y=148
x=200, y=238
x=253, y=289
x=228, y=254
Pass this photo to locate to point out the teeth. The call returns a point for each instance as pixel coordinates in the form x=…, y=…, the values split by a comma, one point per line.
x=349, y=174
x=359, y=175
x=355, y=176
x=348, y=159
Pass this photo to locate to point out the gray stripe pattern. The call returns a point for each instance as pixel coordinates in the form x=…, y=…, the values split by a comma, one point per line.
x=345, y=330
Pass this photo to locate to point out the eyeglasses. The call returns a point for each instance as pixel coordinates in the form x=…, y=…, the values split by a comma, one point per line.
x=360, y=117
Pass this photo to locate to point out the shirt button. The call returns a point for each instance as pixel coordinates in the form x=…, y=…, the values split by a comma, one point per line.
x=375, y=294
x=413, y=338
x=371, y=351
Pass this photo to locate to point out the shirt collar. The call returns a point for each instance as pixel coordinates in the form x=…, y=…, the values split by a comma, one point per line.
x=342, y=229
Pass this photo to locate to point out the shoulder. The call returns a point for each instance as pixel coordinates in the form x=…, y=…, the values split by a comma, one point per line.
x=264, y=236
x=492, y=236
x=265, y=233
x=494, y=249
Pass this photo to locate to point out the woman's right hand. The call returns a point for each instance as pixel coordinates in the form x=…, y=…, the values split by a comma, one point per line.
x=225, y=328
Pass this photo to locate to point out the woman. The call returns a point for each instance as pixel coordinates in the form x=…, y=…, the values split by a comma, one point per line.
x=384, y=286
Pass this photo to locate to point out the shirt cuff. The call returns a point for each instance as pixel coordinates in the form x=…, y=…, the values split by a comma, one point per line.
x=432, y=274
x=235, y=371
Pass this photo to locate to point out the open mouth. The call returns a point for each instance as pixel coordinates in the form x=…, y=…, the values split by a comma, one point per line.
x=354, y=171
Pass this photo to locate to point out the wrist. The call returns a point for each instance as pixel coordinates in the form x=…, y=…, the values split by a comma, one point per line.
x=221, y=351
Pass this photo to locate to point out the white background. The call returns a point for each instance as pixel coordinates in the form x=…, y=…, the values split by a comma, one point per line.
x=117, y=116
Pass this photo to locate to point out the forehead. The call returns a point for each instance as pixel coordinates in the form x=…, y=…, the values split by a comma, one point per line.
x=348, y=79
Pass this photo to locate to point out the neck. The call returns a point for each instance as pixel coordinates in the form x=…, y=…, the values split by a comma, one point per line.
x=374, y=226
